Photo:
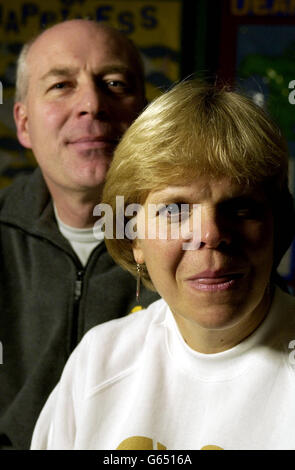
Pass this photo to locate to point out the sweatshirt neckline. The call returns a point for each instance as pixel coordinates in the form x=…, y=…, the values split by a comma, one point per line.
x=224, y=365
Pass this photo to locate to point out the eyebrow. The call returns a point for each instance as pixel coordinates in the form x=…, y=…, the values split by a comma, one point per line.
x=59, y=72
x=178, y=196
x=170, y=199
x=244, y=199
x=116, y=68
x=71, y=71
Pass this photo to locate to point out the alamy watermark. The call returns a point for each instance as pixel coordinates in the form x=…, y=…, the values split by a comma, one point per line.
x=156, y=221
x=292, y=353
x=1, y=353
x=291, y=96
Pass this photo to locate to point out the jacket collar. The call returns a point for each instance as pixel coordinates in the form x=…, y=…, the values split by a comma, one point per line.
x=27, y=204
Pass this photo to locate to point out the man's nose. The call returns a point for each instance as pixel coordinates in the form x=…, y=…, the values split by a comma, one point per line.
x=92, y=101
x=215, y=231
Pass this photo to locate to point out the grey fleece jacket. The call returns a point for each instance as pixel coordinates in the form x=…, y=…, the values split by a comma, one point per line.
x=47, y=302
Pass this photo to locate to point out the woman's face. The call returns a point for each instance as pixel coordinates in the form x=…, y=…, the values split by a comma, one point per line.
x=223, y=279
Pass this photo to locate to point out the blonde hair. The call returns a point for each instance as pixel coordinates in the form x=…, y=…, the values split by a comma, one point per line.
x=194, y=130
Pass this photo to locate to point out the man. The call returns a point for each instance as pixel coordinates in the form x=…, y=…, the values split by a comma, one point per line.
x=79, y=87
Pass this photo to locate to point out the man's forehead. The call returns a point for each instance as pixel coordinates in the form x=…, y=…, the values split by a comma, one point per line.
x=70, y=60
x=85, y=45
x=75, y=37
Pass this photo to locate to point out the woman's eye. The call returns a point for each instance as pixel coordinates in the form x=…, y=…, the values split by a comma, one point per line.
x=243, y=209
x=175, y=212
x=248, y=212
x=244, y=213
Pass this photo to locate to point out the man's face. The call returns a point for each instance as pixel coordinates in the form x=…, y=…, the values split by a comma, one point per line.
x=83, y=93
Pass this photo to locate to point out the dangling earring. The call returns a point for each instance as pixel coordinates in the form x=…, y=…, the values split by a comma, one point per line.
x=139, y=269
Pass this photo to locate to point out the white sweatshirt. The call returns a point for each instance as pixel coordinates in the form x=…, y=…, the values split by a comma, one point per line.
x=133, y=383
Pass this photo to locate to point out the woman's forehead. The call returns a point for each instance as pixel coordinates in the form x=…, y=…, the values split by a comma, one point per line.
x=205, y=188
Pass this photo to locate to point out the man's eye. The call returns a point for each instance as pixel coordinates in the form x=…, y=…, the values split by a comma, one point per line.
x=117, y=86
x=60, y=85
x=116, y=83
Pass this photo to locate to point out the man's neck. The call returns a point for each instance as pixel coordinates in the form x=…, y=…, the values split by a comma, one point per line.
x=75, y=208
x=76, y=215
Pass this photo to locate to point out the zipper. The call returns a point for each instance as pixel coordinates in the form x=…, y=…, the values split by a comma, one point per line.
x=77, y=296
x=78, y=285
x=78, y=289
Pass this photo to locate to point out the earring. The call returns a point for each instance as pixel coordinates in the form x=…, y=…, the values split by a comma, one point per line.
x=139, y=269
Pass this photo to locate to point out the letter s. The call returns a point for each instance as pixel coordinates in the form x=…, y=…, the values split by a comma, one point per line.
x=149, y=21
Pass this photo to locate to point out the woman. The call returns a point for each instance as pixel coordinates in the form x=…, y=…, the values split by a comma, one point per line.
x=204, y=173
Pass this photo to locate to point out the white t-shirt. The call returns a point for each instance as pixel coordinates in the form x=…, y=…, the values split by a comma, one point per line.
x=133, y=383
x=82, y=240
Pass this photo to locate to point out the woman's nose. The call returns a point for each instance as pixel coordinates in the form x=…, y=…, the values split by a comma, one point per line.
x=214, y=229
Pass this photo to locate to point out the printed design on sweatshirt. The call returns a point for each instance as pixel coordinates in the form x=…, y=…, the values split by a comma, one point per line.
x=211, y=447
x=140, y=443
x=146, y=443
x=136, y=309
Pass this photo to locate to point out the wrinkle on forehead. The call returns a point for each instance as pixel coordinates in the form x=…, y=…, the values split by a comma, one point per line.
x=203, y=188
x=71, y=29
x=82, y=38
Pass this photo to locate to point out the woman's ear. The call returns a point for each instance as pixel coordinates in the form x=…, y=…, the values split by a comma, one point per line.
x=137, y=252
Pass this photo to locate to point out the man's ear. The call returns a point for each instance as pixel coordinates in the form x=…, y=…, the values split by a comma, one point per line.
x=21, y=122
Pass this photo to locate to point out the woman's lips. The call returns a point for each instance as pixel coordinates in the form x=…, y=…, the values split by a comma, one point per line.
x=214, y=282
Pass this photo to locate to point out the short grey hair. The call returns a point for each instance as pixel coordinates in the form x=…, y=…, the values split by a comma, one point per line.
x=22, y=72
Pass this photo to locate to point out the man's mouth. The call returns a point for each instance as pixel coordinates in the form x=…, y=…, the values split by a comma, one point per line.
x=92, y=142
